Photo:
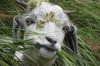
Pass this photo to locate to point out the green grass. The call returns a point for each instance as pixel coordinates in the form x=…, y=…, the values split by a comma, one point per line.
x=86, y=18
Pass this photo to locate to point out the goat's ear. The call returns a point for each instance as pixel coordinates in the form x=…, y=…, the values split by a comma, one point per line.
x=16, y=25
x=69, y=11
x=71, y=38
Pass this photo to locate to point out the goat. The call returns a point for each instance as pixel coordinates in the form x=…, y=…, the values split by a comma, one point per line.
x=54, y=27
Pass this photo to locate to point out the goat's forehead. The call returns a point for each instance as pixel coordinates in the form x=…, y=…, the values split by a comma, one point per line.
x=47, y=7
x=44, y=8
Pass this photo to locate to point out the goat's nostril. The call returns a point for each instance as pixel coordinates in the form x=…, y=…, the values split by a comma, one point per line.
x=51, y=40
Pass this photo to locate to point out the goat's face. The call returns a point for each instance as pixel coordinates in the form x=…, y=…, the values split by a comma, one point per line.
x=49, y=38
x=50, y=24
x=49, y=28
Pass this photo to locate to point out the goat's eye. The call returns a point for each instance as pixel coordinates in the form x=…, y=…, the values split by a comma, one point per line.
x=66, y=28
x=29, y=21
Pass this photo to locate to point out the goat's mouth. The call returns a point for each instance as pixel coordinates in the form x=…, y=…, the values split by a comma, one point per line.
x=52, y=49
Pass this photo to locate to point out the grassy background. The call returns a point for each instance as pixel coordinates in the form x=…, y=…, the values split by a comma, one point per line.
x=86, y=18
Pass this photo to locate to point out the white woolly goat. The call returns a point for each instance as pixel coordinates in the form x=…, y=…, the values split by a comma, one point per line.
x=54, y=28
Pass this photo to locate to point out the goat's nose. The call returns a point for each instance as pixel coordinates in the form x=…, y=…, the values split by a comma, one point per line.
x=51, y=40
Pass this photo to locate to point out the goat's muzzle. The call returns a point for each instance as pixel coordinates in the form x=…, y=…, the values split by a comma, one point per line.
x=48, y=48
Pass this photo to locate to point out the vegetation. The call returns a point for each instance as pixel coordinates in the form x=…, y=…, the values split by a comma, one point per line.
x=86, y=18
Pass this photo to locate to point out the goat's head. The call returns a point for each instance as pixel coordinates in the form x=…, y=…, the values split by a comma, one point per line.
x=52, y=25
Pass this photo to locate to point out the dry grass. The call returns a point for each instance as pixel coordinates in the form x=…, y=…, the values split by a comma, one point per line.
x=95, y=46
x=5, y=16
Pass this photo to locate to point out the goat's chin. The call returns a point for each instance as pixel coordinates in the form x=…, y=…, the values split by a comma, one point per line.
x=47, y=54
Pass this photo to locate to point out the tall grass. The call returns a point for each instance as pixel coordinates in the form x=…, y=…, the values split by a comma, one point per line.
x=86, y=18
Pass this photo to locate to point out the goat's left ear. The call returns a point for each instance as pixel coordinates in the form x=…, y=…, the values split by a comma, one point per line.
x=69, y=11
x=71, y=37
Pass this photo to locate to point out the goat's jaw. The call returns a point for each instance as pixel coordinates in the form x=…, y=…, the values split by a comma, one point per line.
x=47, y=51
x=46, y=54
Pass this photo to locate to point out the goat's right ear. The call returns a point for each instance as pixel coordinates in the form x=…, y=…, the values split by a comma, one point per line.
x=15, y=28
